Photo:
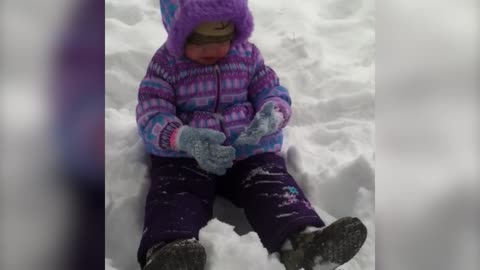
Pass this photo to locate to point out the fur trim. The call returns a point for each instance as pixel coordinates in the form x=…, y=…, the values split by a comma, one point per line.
x=195, y=12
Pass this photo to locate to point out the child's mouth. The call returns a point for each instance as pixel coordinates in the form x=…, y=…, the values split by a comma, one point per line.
x=210, y=60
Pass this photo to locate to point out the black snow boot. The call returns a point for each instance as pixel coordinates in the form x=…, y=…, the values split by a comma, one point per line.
x=179, y=255
x=327, y=248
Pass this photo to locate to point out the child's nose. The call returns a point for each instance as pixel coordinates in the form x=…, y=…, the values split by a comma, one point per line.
x=212, y=50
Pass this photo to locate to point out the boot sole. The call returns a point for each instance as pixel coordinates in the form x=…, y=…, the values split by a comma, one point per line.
x=178, y=256
x=337, y=243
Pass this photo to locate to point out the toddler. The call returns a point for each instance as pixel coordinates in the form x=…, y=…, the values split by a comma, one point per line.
x=211, y=114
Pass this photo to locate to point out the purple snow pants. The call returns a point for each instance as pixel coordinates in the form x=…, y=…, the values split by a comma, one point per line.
x=181, y=196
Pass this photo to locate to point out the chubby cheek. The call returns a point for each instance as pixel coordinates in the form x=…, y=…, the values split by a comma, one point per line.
x=192, y=52
x=223, y=50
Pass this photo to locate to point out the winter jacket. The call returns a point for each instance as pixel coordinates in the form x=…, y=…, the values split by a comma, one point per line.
x=225, y=97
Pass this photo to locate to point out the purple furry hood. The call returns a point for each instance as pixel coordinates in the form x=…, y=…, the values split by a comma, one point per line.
x=180, y=17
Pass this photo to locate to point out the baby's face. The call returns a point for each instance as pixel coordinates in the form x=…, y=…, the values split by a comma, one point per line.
x=207, y=54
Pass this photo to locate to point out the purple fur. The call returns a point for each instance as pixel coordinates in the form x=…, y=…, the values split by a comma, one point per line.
x=194, y=12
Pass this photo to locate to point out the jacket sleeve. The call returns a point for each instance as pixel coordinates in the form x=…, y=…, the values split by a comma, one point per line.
x=265, y=87
x=156, y=110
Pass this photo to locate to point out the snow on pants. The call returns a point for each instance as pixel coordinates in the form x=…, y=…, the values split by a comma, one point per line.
x=181, y=196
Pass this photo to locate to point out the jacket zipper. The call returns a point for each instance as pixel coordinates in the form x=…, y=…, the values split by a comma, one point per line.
x=217, y=99
x=217, y=75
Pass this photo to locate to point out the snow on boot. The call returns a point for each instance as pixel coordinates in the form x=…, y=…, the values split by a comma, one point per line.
x=327, y=248
x=179, y=255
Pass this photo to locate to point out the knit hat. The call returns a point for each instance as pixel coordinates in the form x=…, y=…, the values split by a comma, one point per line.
x=212, y=32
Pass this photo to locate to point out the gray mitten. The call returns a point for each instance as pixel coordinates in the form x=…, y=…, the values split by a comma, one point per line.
x=205, y=145
x=266, y=122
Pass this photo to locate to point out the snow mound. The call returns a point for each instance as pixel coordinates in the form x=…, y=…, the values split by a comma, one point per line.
x=228, y=250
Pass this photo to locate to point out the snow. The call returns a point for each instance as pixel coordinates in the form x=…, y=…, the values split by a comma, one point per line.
x=227, y=250
x=323, y=52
